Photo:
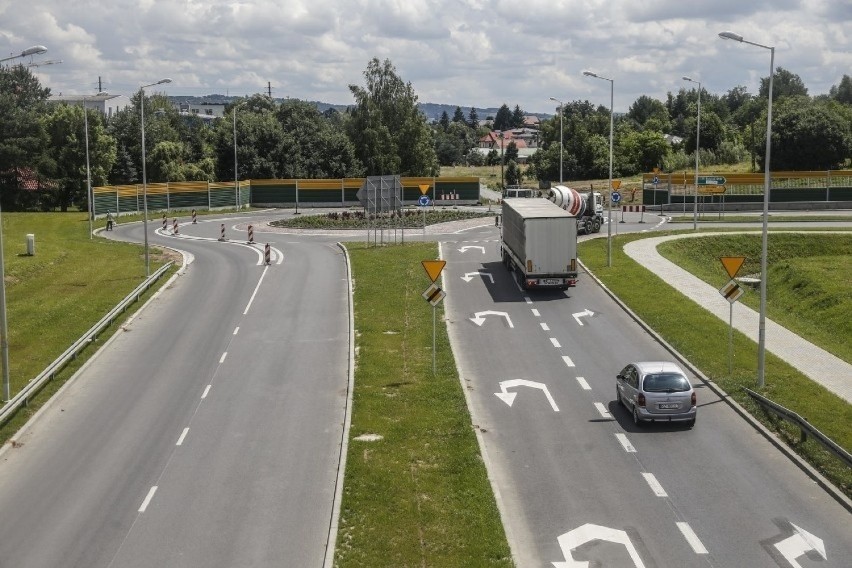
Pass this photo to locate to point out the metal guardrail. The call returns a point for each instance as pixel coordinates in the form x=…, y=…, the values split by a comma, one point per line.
x=26, y=393
x=805, y=427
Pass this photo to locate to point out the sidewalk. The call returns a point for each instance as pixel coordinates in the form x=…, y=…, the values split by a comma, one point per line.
x=817, y=364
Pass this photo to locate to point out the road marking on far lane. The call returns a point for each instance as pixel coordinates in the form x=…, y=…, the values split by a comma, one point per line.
x=602, y=410
x=555, y=342
x=584, y=384
x=568, y=360
x=625, y=443
x=222, y=359
x=182, y=436
x=535, y=313
x=207, y=390
x=655, y=485
x=527, y=299
x=236, y=330
x=691, y=538
x=544, y=326
x=148, y=499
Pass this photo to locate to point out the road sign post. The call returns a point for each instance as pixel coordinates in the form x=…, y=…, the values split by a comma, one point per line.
x=433, y=295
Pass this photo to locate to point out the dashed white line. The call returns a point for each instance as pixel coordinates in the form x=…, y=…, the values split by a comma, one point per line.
x=568, y=360
x=535, y=313
x=236, y=330
x=544, y=326
x=555, y=342
x=182, y=436
x=602, y=410
x=148, y=499
x=584, y=384
x=691, y=538
x=222, y=359
x=655, y=485
x=527, y=299
x=206, y=391
x=625, y=443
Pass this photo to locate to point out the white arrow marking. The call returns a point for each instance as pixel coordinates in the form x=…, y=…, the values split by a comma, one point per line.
x=480, y=317
x=509, y=397
x=801, y=542
x=470, y=275
x=587, y=533
x=586, y=312
x=466, y=248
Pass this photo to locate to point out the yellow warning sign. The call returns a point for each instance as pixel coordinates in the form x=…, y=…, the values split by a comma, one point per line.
x=424, y=188
x=616, y=183
x=433, y=267
x=732, y=264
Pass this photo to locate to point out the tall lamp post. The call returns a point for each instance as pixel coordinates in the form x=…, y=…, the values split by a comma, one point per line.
x=697, y=145
x=89, y=196
x=560, y=136
x=609, y=201
x=761, y=326
x=34, y=50
x=144, y=175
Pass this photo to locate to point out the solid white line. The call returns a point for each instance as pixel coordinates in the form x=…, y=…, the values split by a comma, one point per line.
x=222, y=359
x=182, y=436
x=535, y=313
x=555, y=342
x=655, y=485
x=236, y=331
x=256, y=288
x=544, y=326
x=207, y=390
x=691, y=538
x=148, y=499
x=584, y=384
x=602, y=409
x=625, y=443
x=527, y=299
x=568, y=360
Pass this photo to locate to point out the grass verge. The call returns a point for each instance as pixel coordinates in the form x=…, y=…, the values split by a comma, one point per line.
x=703, y=339
x=56, y=295
x=757, y=218
x=420, y=495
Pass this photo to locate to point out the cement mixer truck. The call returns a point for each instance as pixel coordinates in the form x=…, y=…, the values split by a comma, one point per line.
x=587, y=207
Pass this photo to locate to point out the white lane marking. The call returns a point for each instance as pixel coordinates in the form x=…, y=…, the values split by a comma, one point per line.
x=544, y=326
x=222, y=358
x=555, y=342
x=182, y=436
x=568, y=360
x=206, y=391
x=236, y=330
x=625, y=443
x=602, y=410
x=527, y=299
x=148, y=499
x=691, y=538
x=256, y=288
x=655, y=485
x=584, y=384
x=535, y=313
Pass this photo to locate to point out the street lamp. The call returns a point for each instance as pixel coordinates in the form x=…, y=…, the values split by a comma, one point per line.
x=144, y=176
x=89, y=196
x=609, y=201
x=560, y=137
x=34, y=50
x=697, y=145
x=761, y=327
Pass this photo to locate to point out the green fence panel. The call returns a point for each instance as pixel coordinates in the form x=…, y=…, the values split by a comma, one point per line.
x=223, y=197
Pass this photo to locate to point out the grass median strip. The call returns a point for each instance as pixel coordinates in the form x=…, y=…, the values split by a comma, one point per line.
x=416, y=492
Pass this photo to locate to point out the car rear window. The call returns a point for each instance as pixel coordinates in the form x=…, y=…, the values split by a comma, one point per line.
x=665, y=382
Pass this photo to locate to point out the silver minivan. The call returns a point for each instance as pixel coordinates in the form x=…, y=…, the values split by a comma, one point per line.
x=656, y=391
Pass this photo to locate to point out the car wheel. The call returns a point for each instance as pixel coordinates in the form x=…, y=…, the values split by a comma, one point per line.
x=636, y=420
x=596, y=227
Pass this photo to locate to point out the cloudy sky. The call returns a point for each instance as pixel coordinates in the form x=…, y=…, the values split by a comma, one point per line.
x=460, y=52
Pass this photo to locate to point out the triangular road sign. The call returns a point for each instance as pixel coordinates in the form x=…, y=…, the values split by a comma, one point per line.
x=433, y=268
x=732, y=264
x=424, y=188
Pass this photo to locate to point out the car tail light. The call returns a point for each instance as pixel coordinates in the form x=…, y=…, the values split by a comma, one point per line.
x=641, y=400
x=694, y=399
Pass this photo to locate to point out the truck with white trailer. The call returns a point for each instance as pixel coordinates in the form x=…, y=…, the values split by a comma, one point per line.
x=539, y=242
x=586, y=206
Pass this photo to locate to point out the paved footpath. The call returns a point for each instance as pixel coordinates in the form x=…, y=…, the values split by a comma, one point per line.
x=819, y=365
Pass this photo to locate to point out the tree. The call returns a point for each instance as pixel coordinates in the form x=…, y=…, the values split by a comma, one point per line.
x=389, y=133
x=458, y=115
x=513, y=173
x=784, y=84
x=473, y=118
x=649, y=113
x=503, y=118
x=842, y=93
x=712, y=131
x=736, y=98
x=511, y=152
x=517, y=117
x=445, y=121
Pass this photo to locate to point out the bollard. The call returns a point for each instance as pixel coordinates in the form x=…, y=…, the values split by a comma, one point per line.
x=250, y=235
x=222, y=236
x=194, y=222
x=623, y=209
x=175, y=226
x=30, y=244
x=266, y=254
x=164, y=221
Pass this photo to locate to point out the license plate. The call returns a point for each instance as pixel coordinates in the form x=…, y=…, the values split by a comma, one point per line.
x=668, y=406
x=550, y=282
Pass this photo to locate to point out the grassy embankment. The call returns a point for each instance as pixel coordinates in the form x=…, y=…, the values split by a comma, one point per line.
x=808, y=292
x=419, y=496
x=56, y=295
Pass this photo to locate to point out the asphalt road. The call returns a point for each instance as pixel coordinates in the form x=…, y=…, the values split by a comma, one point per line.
x=208, y=432
x=573, y=467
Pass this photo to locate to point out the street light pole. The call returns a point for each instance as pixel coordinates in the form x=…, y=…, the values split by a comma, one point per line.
x=34, y=50
x=560, y=136
x=697, y=146
x=609, y=200
x=236, y=169
x=761, y=327
x=144, y=174
x=89, y=196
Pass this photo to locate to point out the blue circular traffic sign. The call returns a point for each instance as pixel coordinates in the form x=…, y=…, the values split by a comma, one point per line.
x=424, y=200
x=656, y=180
x=615, y=196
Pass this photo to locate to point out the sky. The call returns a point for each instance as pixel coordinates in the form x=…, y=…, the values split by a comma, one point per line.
x=460, y=52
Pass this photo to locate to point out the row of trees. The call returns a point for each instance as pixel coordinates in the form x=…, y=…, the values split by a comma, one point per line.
x=43, y=146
